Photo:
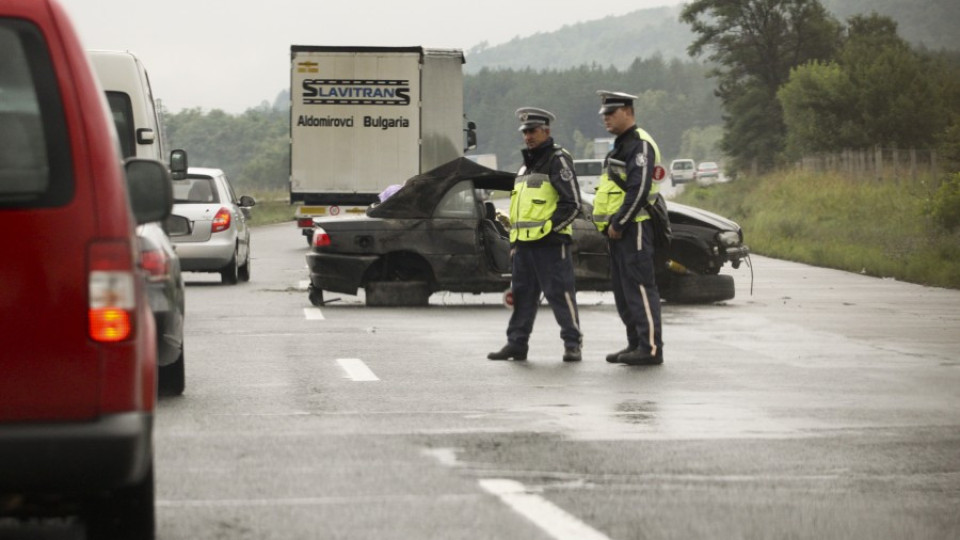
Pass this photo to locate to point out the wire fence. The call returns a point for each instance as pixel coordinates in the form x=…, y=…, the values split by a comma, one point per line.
x=876, y=163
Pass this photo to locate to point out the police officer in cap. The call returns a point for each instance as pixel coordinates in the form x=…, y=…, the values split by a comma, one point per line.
x=630, y=180
x=543, y=205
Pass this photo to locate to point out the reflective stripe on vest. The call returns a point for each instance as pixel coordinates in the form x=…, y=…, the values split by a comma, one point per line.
x=610, y=196
x=532, y=203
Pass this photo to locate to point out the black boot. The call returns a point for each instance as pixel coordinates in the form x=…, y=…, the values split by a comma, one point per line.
x=639, y=357
x=572, y=354
x=509, y=351
x=614, y=358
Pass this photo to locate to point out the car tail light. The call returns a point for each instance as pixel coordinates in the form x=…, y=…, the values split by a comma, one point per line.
x=221, y=221
x=156, y=263
x=320, y=238
x=305, y=222
x=112, y=291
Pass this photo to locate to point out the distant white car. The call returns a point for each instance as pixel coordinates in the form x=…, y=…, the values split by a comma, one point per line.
x=216, y=238
x=708, y=173
x=682, y=171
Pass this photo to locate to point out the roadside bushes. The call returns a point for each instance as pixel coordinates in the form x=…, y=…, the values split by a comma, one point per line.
x=907, y=229
x=945, y=203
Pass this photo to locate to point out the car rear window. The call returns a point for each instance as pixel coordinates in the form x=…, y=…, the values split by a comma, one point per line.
x=35, y=162
x=195, y=190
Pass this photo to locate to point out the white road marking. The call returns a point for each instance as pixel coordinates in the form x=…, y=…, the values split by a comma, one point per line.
x=313, y=314
x=303, y=501
x=357, y=370
x=446, y=456
x=549, y=517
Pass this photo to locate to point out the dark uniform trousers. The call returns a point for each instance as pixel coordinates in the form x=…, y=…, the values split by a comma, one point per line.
x=635, y=287
x=547, y=268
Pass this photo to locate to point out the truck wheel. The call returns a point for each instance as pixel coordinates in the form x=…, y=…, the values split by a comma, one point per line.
x=397, y=293
x=172, y=377
x=699, y=289
x=231, y=272
x=127, y=514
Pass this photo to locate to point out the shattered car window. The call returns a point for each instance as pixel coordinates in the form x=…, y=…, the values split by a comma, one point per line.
x=459, y=203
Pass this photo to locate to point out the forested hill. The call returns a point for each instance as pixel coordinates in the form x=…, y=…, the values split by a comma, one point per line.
x=612, y=41
x=618, y=40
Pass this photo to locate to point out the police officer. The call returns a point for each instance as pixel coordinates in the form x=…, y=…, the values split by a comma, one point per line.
x=544, y=202
x=630, y=179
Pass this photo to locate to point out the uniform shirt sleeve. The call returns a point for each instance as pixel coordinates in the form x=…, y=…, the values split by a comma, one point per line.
x=640, y=161
x=564, y=180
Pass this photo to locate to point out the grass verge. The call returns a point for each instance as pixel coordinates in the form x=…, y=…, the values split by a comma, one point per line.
x=878, y=228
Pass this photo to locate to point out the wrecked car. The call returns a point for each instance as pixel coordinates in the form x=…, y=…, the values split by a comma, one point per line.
x=441, y=232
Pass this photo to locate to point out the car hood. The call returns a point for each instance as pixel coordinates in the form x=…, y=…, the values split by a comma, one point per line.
x=681, y=213
x=420, y=194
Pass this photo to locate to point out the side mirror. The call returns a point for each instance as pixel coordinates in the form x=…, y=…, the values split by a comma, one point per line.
x=151, y=193
x=176, y=225
x=471, y=136
x=178, y=164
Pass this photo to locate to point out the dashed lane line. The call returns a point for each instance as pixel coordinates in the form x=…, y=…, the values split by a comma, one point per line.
x=357, y=370
x=550, y=518
x=313, y=314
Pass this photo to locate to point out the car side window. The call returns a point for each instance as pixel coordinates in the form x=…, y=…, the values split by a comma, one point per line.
x=35, y=160
x=122, y=111
x=458, y=203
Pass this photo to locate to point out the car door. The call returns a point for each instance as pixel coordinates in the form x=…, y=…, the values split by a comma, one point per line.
x=240, y=217
x=456, y=254
x=494, y=239
x=591, y=253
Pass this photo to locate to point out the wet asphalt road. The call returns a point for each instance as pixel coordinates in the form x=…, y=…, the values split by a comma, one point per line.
x=823, y=405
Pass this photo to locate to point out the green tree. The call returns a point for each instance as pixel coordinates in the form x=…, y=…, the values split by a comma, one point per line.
x=878, y=91
x=754, y=44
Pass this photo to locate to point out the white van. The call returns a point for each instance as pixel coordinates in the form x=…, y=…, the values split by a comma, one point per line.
x=126, y=84
x=682, y=171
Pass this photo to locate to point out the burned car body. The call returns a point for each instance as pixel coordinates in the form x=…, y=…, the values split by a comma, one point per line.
x=437, y=233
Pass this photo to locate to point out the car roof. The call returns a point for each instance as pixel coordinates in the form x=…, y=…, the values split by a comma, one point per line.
x=420, y=194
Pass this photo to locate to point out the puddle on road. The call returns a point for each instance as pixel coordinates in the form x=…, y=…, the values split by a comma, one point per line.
x=638, y=420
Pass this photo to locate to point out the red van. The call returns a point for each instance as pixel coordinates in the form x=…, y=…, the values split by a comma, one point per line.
x=77, y=338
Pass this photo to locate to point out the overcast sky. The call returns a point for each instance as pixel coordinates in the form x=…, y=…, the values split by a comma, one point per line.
x=226, y=54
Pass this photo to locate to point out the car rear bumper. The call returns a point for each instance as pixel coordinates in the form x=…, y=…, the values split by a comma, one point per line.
x=338, y=273
x=104, y=454
x=209, y=256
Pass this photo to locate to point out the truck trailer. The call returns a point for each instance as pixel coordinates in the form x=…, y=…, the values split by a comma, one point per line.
x=365, y=118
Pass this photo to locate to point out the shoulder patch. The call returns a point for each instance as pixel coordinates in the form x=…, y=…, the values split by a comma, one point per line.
x=566, y=175
x=641, y=160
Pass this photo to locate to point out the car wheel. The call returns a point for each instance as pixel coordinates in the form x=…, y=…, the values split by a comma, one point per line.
x=243, y=273
x=231, y=273
x=172, y=377
x=316, y=296
x=699, y=289
x=126, y=514
x=397, y=293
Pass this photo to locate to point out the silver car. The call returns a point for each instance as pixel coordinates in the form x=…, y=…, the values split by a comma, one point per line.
x=215, y=237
